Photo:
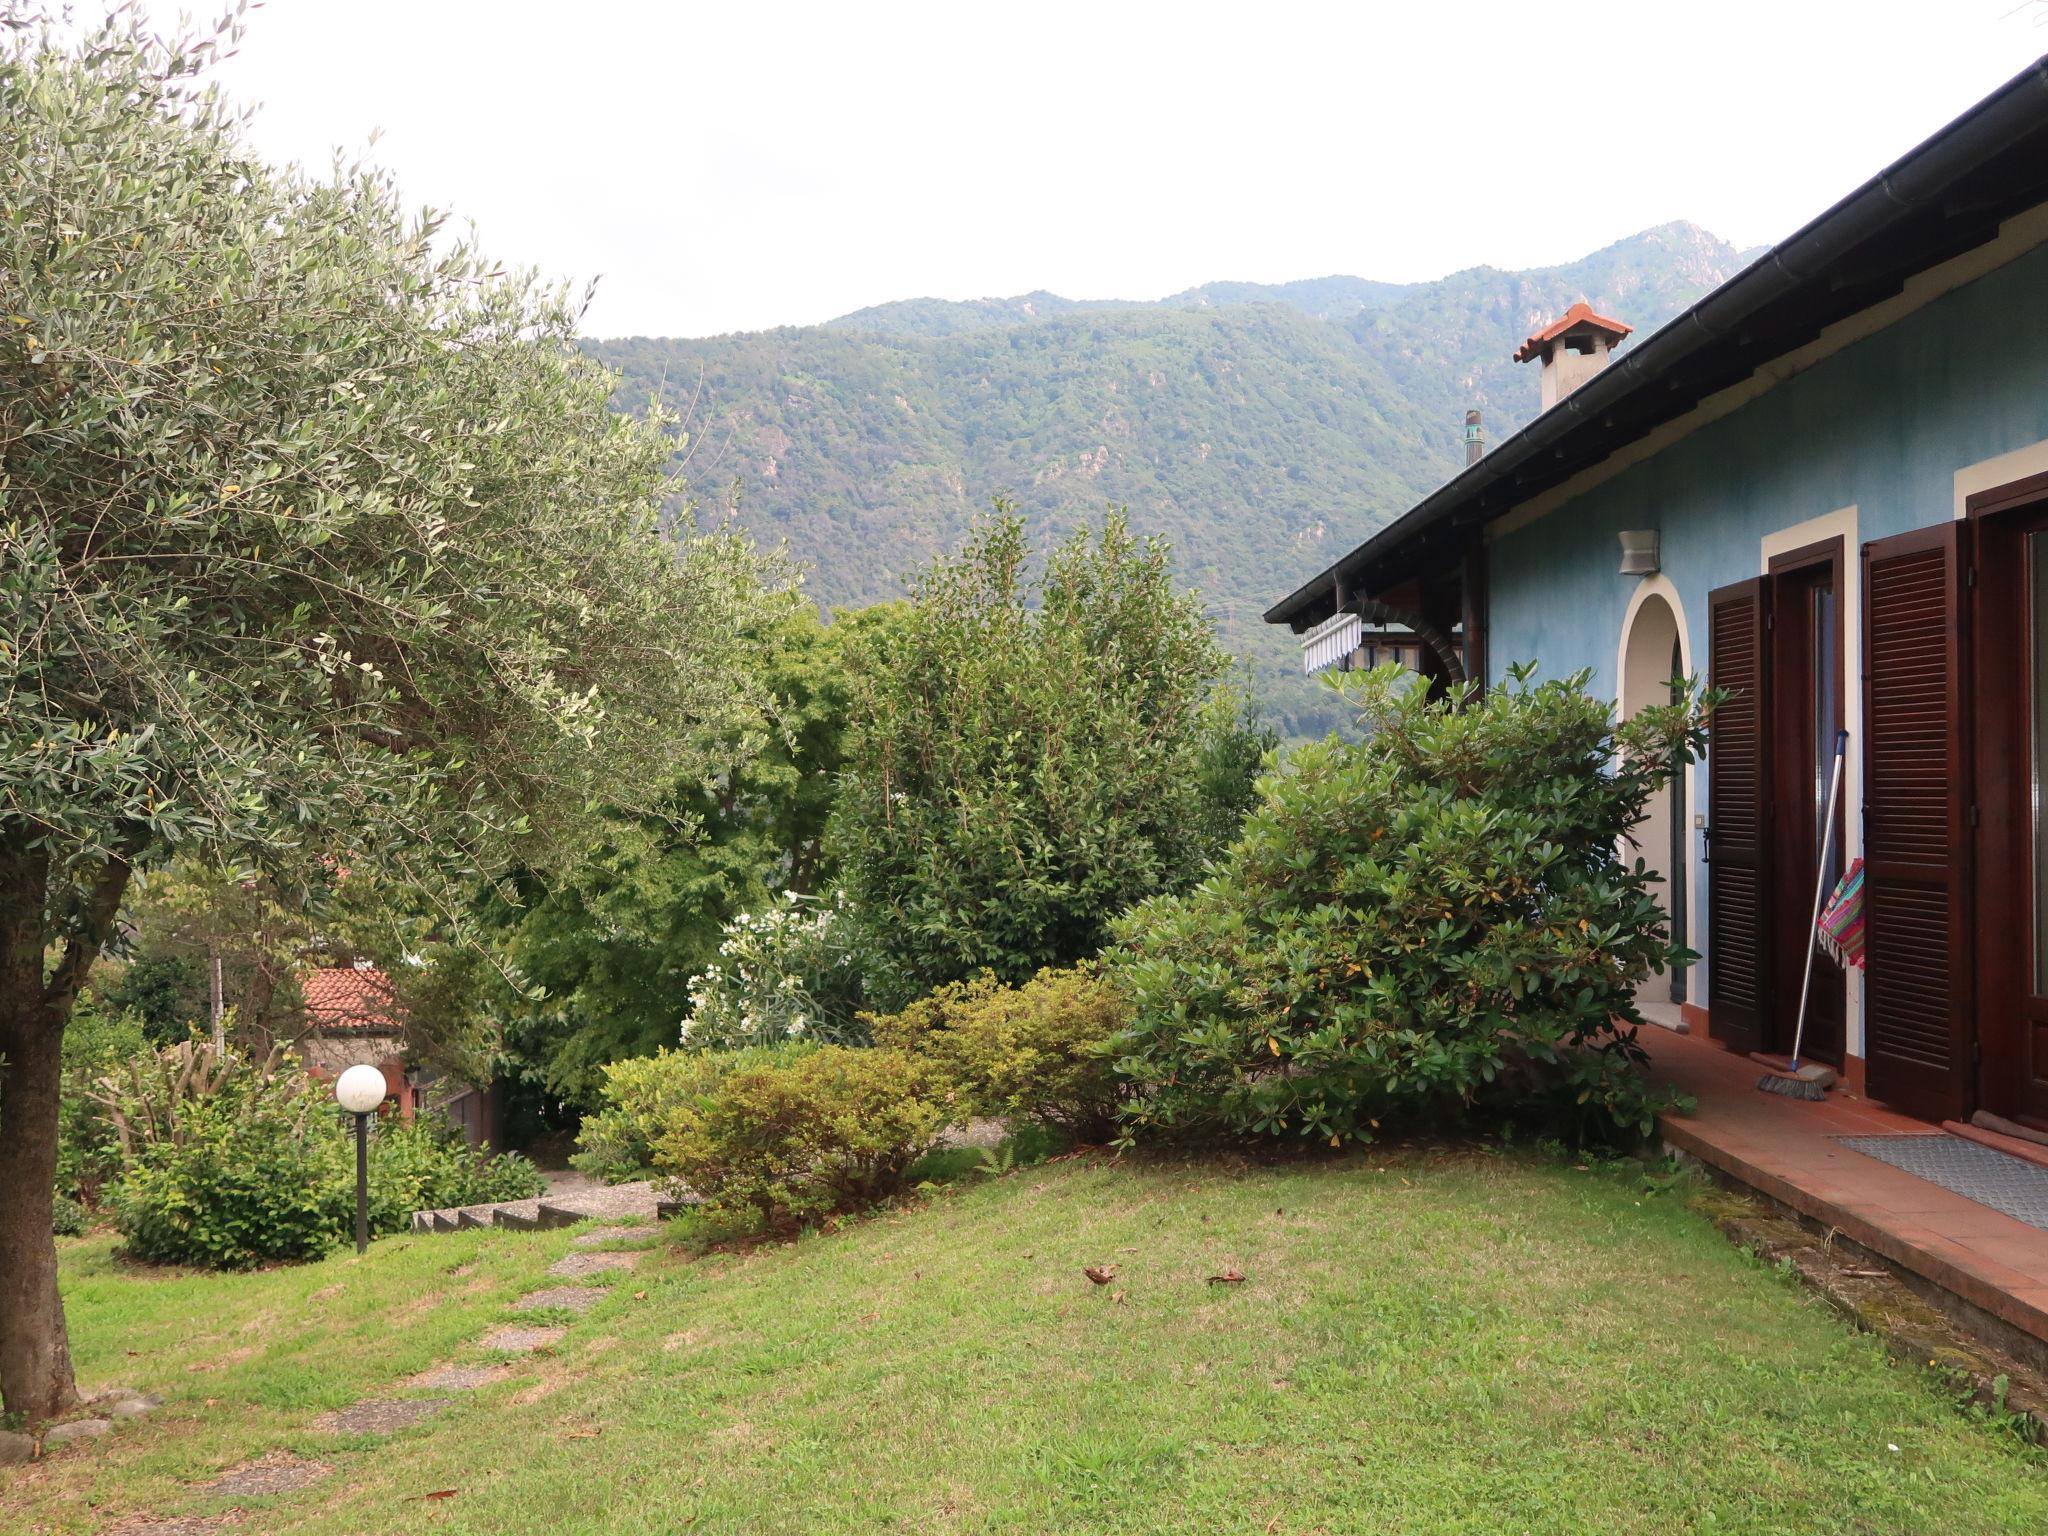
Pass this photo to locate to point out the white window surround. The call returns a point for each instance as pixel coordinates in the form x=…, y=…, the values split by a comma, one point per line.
x=1841, y=524
x=1989, y=474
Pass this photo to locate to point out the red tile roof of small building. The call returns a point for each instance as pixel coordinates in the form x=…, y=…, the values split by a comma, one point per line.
x=1580, y=313
x=351, y=997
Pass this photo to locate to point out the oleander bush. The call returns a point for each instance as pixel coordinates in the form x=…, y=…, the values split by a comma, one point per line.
x=1037, y=1052
x=782, y=1145
x=793, y=971
x=1437, y=920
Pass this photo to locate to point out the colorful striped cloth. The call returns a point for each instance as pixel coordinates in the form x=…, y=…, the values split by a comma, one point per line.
x=1841, y=920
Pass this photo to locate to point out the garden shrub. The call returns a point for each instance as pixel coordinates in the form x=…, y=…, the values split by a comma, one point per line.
x=777, y=1146
x=1035, y=1052
x=791, y=972
x=1437, y=916
x=96, y=1041
x=642, y=1093
x=256, y=1172
x=68, y=1218
x=229, y=1162
x=429, y=1165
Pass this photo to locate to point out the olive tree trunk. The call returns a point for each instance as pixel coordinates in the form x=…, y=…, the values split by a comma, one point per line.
x=35, y=1353
x=36, y=1380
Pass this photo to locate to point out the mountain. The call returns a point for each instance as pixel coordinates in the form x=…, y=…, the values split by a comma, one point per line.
x=1265, y=428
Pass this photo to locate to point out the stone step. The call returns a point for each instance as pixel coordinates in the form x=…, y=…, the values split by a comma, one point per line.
x=617, y=1202
x=519, y=1216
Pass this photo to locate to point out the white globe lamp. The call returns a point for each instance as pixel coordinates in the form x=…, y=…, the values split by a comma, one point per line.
x=360, y=1090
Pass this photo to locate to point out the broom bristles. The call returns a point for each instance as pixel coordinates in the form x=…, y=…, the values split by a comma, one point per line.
x=1791, y=1087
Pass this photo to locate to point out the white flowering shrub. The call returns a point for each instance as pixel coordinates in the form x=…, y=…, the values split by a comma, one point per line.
x=793, y=972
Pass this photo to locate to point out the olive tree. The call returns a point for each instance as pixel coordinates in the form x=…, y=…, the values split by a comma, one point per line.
x=319, y=548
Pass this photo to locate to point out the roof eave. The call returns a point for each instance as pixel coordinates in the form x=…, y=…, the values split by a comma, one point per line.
x=1908, y=185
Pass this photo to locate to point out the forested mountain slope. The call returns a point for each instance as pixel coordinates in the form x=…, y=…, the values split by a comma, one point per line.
x=1264, y=428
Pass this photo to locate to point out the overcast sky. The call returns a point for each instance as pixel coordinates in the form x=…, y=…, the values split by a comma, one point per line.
x=743, y=164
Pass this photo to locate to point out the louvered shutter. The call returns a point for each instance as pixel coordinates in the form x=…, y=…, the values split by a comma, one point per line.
x=1738, y=813
x=1915, y=832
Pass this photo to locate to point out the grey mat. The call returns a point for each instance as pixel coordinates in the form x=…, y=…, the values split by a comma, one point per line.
x=1967, y=1168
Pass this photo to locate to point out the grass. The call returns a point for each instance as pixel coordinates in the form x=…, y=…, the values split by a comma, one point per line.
x=1429, y=1343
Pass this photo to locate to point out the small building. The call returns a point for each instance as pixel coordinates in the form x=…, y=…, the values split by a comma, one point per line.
x=353, y=1015
x=1825, y=487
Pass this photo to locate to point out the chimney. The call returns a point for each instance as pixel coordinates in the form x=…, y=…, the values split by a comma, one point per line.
x=1475, y=438
x=1573, y=348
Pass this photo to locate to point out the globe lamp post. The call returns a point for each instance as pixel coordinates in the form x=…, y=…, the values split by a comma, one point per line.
x=360, y=1090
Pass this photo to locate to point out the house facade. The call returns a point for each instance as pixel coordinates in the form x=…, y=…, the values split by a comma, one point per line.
x=1825, y=488
x=353, y=1014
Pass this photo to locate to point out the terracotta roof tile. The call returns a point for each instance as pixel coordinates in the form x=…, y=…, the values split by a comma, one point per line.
x=1580, y=313
x=343, y=997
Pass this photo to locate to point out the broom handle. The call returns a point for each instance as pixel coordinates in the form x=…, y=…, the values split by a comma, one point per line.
x=1820, y=890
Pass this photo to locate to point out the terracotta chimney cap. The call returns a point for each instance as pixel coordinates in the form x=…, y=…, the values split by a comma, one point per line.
x=1580, y=314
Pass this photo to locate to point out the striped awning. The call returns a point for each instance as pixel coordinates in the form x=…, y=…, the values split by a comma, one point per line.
x=1330, y=642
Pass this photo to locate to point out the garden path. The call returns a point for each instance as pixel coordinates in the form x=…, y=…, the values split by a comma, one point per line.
x=284, y=1471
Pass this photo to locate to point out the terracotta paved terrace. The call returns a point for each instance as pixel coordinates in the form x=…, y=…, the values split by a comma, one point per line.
x=1786, y=1149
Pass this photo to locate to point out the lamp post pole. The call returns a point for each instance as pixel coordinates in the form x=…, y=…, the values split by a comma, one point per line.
x=362, y=1183
x=360, y=1090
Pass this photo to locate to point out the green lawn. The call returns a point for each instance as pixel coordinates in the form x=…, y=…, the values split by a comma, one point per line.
x=1437, y=1343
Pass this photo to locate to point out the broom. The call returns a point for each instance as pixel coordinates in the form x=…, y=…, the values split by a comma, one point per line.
x=1813, y=1080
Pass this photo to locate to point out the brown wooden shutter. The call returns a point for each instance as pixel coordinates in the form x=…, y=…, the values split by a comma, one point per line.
x=1738, y=813
x=1915, y=828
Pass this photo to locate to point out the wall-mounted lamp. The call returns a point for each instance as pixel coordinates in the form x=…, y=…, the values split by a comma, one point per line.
x=1639, y=552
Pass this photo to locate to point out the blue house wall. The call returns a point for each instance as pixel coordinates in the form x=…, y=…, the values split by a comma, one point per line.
x=1882, y=427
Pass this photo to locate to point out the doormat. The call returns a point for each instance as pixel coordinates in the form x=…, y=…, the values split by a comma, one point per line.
x=1967, y=1168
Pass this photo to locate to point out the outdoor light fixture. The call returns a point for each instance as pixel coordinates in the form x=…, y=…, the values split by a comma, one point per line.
x=1639, y=552
x=360, y=1090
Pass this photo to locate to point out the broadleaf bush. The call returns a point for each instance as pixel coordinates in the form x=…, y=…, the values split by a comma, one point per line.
x=68, y=1218
x=1030, y=753
x=228, y=1162
x=642, y=1093
x=1036, y=1052
x=778, y=1146
x=428, y=1164
x=1436, y=920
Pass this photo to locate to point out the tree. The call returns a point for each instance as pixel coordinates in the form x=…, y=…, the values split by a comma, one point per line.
x=186, y=917
x=1028, y=757
x=318, y=547
x=613, y=941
